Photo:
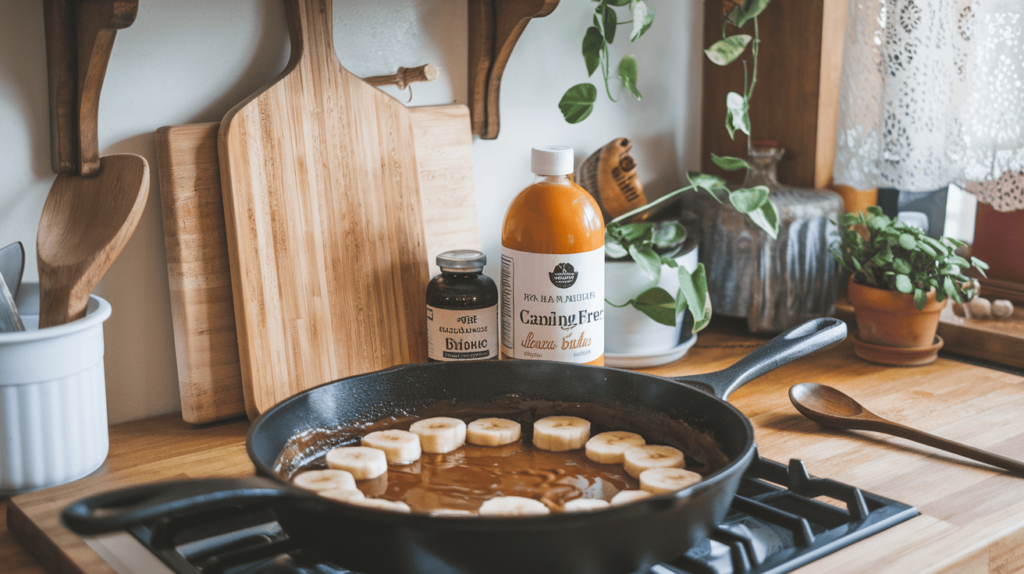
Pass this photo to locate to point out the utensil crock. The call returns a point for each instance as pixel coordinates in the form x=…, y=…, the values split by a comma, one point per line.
x=53, y=404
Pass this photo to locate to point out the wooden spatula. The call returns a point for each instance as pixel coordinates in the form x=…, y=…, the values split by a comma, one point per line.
x=324, y=226
x=89, y=215
x=86, y=222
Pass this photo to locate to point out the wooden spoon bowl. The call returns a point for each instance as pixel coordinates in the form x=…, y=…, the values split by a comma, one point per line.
x=86, y=222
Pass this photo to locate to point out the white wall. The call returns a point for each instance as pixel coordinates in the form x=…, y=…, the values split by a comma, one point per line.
x=188, y=61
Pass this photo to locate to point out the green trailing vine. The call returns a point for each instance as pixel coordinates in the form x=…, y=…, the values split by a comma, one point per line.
x=578, y=101
x=646, y=243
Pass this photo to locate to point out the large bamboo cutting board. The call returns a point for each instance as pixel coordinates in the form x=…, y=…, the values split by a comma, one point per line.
x=324, y=229
x=206, y=343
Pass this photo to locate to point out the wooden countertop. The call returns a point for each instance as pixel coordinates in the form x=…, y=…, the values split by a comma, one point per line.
x=972, y=516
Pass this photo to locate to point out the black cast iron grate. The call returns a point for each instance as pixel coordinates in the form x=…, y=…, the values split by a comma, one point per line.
x=775, y=525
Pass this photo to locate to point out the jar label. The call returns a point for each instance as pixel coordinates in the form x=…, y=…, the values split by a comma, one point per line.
x=463, y=334
x=552, y=306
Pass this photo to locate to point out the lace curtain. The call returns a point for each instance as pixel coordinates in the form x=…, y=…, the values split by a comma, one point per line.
x=933, y=93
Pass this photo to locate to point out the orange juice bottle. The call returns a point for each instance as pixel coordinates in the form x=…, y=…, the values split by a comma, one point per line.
x=552, y=267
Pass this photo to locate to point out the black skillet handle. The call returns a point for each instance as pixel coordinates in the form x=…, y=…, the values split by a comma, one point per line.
x=120, y=509
x=797, y=342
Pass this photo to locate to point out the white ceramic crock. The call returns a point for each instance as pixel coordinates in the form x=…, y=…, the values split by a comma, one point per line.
x=628, y=331
x=53, y=404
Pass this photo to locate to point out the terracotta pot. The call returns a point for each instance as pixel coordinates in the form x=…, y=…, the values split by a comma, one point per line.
x=890, y=318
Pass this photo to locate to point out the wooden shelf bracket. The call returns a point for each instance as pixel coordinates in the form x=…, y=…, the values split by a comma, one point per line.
x=494, y=28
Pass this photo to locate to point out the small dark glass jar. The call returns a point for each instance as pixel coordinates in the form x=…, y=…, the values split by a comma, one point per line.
x=462, y=309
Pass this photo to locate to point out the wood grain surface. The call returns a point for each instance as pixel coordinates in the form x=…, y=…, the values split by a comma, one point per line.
x=972, y=515
x=324, y=227
x=86, y=222
x=205, y=339
x=797, y=96
x=494, y=28
x=79, y=39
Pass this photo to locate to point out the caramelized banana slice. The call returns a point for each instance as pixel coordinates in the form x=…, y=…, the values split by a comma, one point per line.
x=399, y=446
x=363, y=462
x=662, y=480
x=608, y=447
x=320, y=480
x=641, y=458
x=512, y=506
x=493, y=432
x=439, y=435
x=559, y=434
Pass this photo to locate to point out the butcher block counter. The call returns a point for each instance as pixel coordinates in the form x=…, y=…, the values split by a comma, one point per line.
x=972, y=516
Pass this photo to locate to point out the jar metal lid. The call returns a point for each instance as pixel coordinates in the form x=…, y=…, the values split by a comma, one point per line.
x=462, y=260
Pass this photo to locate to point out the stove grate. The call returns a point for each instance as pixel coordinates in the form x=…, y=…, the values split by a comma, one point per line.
x=775, y=525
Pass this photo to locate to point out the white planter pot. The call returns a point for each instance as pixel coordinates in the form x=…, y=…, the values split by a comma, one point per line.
x=53, y=404
x=628, y=331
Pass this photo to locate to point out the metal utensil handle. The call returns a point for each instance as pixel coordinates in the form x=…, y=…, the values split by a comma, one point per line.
x=797, y=342
x=119, y=509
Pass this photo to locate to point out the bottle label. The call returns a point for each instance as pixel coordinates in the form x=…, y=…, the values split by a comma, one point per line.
x=462, y=335
x=552, y=306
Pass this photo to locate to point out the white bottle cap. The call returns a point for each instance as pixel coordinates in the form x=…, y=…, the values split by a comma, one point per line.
x=552, y=160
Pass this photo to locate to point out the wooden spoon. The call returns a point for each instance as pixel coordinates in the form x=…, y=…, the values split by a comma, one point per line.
x=86, y=222
x=832, y=408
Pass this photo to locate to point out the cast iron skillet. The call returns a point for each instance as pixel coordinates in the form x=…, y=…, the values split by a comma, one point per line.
x=617, y=540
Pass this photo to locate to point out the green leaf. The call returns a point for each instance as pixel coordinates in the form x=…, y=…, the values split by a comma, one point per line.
x=920, y=298
x=609, y=24
x=647, y=259
x=694, y=288
x=700, y=286
x=643, y=17
x=627, y=73
x=669, y=234
x=725, y=52
x=634, y=231
x=657, y=304
x=681, y=304
x=747, y=200
x=900, y=265
x=981, y=265
x=907, y=241
x=737, y=113
x=612, y=247
x=767, y=218
x=617, y=2
x=709, y=183
x=750, y=10
x=730, y=163
x=938, y=246
x=924, y=247
x=592, y=44
x=578, y=102
x=903, y=284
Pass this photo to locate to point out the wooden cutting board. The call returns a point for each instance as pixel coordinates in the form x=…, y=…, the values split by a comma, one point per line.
x=325, y=234
x=205, y=339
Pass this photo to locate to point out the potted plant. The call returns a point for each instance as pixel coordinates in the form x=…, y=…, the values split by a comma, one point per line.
x=901, y=280
x=647, y=284
x=651, y=246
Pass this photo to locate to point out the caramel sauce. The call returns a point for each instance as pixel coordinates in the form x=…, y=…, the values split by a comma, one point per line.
x=465, y=478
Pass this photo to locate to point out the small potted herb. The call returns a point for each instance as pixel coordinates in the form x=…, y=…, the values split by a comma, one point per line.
x=901, y=278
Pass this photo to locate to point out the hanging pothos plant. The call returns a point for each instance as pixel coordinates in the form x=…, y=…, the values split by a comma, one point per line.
x=651, y=245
